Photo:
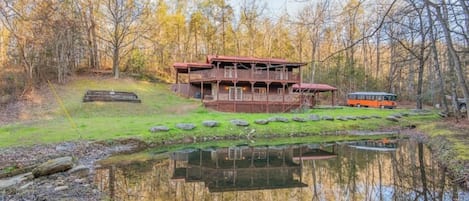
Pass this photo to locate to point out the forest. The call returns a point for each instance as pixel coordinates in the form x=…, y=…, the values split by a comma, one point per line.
x=417, y=49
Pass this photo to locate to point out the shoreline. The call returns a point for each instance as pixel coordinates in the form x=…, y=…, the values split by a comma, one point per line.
x=67, y=186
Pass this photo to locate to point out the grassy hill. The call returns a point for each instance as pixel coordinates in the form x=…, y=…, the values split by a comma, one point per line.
x=48, y=123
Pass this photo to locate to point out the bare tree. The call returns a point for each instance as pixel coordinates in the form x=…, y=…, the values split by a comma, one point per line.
x=453, y=56
x=436, y=61
x=121, y=27
x=415, y=18
x=88, y=14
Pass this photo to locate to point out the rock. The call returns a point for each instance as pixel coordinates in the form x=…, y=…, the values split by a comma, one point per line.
x=328, y=118
x=376, y=116
x=159, y=129
x=7, y=183
x=60, y=188
x=79, y=181
x=404, y=114
x=239, y=122
x=443, y=114
x=351, y=118
x=314, y=117
x=299, y=119
x=5, y=99
x=261, y=121
x=80, y=171
x=397, y=115
x=363, y=117
x=53, y=166
x=210, y=123
x=185, y=126
x=188, y=139
x=278, y=119
x=64, y=147
x=26, y=185
x=392, y=118
x=341, y=118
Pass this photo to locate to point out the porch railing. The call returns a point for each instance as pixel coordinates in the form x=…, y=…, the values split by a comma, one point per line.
x=221, y=74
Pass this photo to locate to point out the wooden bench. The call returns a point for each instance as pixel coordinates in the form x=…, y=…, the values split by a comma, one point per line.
x=110, y=96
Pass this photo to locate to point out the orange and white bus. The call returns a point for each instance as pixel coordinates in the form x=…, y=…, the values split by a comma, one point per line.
x=372, y=99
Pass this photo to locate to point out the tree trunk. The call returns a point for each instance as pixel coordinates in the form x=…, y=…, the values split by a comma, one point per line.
x=94, y=44
x=453, y=55
x=441, y=89
x=420, y=82
x=423, y=175
x=115, y=62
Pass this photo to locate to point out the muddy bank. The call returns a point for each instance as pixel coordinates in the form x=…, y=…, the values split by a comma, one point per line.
x=447, y=157
x=60, y=186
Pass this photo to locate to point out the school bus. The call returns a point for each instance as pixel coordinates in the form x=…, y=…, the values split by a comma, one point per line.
x=372, y=99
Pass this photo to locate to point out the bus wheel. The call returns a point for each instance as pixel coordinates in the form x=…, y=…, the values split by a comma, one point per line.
x=381, y=106
x=358, y=105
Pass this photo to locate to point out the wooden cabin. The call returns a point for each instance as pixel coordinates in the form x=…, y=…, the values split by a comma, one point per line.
x=242, y=84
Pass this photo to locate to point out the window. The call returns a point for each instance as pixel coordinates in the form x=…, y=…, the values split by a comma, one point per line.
x=230, y=72
x=280, y=91
x=260, y=90
x=235, y=93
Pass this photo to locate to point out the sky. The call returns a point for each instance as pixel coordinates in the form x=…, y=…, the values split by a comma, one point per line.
x=277, y=7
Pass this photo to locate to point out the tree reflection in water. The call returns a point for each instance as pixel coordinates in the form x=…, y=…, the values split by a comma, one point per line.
x=378, y=170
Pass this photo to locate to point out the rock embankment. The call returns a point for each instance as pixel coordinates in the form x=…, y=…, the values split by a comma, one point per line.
x=62, y=171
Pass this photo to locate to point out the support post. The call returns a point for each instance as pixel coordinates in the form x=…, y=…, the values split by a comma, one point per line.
x=283, y=96
x=333, y=99
x=235, y=86
x=218, y=95
x=299, y=84
x=235, y=95
x=218, y=86
x=252, y=95
x=202, y=91
x=189, y=75
x=267, y=103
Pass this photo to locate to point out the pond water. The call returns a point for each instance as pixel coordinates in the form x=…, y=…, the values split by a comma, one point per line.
x=365, y=170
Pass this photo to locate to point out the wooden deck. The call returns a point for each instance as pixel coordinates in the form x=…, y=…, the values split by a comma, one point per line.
x=110, y=96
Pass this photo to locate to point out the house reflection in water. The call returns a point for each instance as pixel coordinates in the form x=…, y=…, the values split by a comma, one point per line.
x=244, y=168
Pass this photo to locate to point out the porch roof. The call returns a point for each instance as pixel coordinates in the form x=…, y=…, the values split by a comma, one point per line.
x=239, y=59
x=183, y=67
x=314, y=87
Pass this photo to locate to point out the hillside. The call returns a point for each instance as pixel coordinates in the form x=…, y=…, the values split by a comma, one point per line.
x=42, y=115
x=42, y=119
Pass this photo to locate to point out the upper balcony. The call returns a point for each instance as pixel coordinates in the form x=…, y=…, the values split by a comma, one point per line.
x=244, y=75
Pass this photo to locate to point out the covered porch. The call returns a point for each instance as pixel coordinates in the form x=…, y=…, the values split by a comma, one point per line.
x=310, y=92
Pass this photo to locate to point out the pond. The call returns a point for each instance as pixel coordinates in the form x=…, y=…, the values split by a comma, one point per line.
x=387, y=169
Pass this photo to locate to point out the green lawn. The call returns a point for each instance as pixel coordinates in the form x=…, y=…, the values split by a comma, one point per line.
x=102, y=121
